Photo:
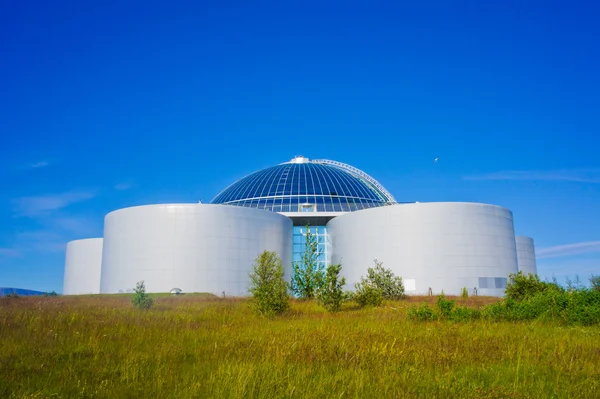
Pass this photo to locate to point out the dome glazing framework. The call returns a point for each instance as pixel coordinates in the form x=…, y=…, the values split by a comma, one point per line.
x=302, y=185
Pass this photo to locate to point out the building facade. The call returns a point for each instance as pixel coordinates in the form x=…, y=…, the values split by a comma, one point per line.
x=211, y=247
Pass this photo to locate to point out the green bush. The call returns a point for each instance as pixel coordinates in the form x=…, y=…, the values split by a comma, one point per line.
x=421, y=313
x=348, y=296
x=267, y=285
x=367, y=294
x=521, y=286
x=464, y=293
x=537, y=300
x=390, y=285
x=52, y=293
x=582, y=308
x=444, y=306
x=577, y=307
x=141, y=299
x=446, y=310
x=464, y=314
x=331, y=293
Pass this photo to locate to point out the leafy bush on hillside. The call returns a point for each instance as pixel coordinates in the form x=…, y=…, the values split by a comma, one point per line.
x=267, y=285
x=141, y=299
x=331, y=294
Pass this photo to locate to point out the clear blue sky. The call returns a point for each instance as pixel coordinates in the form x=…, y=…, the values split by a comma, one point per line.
x=105, y=105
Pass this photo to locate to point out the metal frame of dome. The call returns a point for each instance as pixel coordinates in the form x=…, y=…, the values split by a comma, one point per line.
x=281, y=190
x=359, y=173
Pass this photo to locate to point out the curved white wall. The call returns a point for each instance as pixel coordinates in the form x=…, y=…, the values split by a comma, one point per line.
x=83, y=263
x=526, y=255
x=195, y=247
x=445, y=246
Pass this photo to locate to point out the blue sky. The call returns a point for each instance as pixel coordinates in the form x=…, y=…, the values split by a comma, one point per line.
x=105, y=105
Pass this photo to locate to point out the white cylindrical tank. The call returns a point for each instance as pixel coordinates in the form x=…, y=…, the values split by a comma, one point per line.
x=442, y=246
x=194, y=247
x=83, y=263
x=526, y=255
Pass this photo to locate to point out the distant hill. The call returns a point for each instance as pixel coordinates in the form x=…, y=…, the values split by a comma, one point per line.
x=19, y=291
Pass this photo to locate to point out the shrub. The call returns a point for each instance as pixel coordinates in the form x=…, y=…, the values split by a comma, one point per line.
x=521, y=286
x=52, y=293
x=12, y=295
x=575, y=307
x=267, y=285
x=464, y=293
x=308, y=275
x=444, y=306
x=582, y=308
x=445, y=310
x=348, y=296
x=367, y=294
x=141, y=299
x=390, y=285
x=421, y=313
x=464, y=314
x=331, y=293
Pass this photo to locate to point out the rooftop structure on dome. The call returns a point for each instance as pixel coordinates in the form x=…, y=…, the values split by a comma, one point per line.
x=304, y=185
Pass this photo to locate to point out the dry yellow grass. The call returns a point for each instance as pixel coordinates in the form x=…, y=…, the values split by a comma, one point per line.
x=201, y=346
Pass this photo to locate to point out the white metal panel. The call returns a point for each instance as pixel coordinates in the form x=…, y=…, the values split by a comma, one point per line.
x=445, y=246
x=194, y=247
x=83, y=263
x=526, y=255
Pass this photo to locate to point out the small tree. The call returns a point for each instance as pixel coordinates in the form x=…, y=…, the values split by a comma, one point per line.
x=267, y=285
x=308, y=275
x=141, y=299
x=331, y=293
x=390, y=285
x=464, y=293
x=367, y=294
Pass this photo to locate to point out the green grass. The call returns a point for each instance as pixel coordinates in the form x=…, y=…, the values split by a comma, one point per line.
x=203, y=346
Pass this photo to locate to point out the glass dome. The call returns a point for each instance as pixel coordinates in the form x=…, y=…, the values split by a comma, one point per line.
x=304, y=185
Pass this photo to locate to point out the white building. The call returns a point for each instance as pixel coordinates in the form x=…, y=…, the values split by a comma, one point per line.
x=211, y=247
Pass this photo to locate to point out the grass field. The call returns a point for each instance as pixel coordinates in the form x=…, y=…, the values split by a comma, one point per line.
x=202, y=346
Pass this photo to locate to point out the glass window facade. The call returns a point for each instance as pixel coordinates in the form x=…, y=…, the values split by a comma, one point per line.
x=303, y=187
x=299, y=243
